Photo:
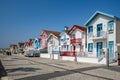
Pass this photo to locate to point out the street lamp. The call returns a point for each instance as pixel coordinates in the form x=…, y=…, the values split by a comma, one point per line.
x=52, y=48
x=107, y=54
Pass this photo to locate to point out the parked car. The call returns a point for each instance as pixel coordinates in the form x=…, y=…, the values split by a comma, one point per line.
x=32, y=53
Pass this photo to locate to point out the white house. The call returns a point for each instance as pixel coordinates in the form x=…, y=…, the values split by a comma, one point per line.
x=65, y=48
x=103, y=32
x=64, y=42
x=53, y=45
x=78, y=40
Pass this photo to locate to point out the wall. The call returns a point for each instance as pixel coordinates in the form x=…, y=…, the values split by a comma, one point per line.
x=44, y=40
x=117, y=36
x=64, y=36
x=98, y=20
x=54, y=46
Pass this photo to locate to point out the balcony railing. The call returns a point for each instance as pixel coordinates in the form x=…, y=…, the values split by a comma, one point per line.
x=98, y=35
x=73, y=53
x=67, y=53
x=76, y=41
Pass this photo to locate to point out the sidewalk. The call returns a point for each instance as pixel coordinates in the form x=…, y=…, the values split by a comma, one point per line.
x=3, y=73
x=47, y=69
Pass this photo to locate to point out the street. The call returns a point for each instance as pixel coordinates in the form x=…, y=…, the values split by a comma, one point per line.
x=35, y=68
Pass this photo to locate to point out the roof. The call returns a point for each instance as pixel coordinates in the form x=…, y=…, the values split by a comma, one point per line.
x=51, y=32
x=77, y=27
x=99, y=13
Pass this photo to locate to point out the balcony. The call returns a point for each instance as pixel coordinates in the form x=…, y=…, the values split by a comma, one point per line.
x=76, y=41
x=99, y=35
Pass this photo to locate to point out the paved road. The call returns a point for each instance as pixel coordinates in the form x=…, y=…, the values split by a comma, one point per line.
x=24, y=68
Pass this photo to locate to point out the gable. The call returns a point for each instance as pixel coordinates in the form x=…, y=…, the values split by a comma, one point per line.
x=96, y=14
x=100, y=19
x=76, y=27
x=51, y=36
x=76, y=31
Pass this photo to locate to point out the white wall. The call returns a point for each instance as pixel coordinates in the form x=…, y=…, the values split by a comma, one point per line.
x=64, y=36
x=54, y=46
x=79, y=34
x=67, y=58
x=98, y=20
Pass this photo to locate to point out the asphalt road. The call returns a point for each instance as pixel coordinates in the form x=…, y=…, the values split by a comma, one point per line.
x=35, y=68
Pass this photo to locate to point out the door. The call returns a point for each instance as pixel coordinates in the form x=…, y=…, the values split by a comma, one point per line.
x=111, y=49
x=99, y=30
x=99, y=49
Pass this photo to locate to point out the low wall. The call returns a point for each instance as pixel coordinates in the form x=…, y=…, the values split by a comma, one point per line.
x=68, y=58
x=51, y=56
x=44, y=55
x=56, y=56
x=87, y=60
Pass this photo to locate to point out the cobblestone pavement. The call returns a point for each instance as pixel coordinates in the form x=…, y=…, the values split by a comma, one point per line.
x=36, y=68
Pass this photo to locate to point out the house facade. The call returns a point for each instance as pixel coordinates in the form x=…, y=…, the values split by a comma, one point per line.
x=53, y=43
x=65, y=43
x=102, y=34
x=78, y=40
x=44, y=36
x=36, y=43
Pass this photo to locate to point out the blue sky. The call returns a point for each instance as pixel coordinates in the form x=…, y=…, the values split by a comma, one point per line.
x=24, y=19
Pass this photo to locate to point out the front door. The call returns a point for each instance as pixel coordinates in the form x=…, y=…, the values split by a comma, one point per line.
x=99, y=30
x=99, y=49
x=111, y=49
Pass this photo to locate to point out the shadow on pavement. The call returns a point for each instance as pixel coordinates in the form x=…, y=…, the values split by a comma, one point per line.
x=2, y=70
x=25, y=69
x=66, y=72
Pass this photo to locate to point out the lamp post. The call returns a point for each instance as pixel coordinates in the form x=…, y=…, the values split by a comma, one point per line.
x=52, y=48
x=107, y=54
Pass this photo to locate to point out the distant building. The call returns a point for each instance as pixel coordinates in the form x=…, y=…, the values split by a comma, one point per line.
x=36, y=43
x=13, y=48
x=44, y=36
x=53, y=43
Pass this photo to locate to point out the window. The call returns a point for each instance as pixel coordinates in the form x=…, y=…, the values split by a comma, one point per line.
x=90, y=47
x=90, y=29
x=111, y=26
x=99, y=30
x=61, y=39
x=67, y=38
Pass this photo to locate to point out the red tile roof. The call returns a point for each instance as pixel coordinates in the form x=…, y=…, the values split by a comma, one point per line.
x=52, y=32
x=78, y=27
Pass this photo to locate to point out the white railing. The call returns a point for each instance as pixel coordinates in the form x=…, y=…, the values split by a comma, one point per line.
x=99, y=34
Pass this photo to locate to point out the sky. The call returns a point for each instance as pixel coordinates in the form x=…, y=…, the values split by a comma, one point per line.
x=24, y=19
